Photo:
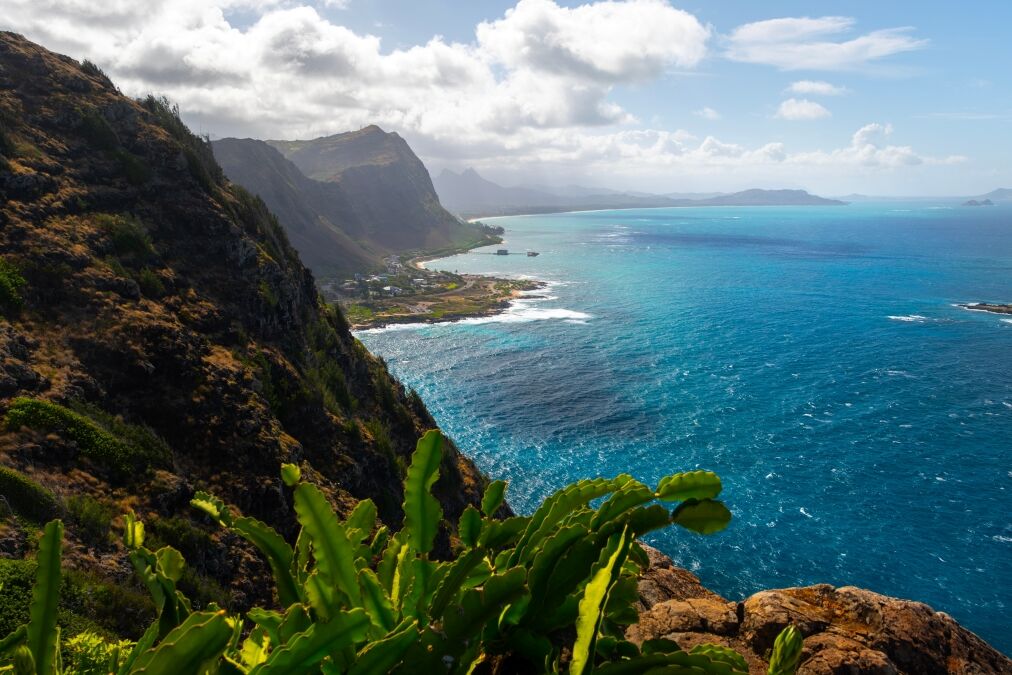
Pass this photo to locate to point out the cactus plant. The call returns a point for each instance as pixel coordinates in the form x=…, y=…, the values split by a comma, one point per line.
x=786, y=652
x=549, y=592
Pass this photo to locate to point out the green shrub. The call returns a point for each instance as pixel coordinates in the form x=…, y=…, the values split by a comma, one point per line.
x=16, y=577
x=115, y=609
x=90, y=68
x=11, y=283
x=137, y=172
x=182, y=535
x=129, y=236
x=203, y=590
x=107, y=447
x=26, y=497
x=141, y=438
x=96, y=129
x=92, y=519
x=91, y=654
x=197, y=150
x=268, y=295
x=150, y=283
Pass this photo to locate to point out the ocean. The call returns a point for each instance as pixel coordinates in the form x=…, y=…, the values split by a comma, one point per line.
x=812, y=356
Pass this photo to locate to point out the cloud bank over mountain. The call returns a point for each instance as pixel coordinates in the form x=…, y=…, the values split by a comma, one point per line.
x=536, y=86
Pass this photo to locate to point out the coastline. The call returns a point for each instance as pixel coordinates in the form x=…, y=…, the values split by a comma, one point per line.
x=492, y=296
x=443, y=297
x=524, y=214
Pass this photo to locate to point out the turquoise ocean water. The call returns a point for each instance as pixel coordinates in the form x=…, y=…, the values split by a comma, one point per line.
x=812, y=356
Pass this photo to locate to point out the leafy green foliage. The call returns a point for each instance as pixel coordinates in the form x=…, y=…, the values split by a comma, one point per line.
x=151, y=284
x=106, y=446
x=11, y=283
x=92, y=69
x=128, y=235
x=109, y=608
x=422, y=512
x=42, y=638
x=199, y=156
x=26, y=497
x=90, y=654
x=551, y=592
x=90, y=519
x=494, y=496
x=786, y=652
x=94, y=127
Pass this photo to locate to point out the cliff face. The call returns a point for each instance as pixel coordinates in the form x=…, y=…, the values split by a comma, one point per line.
x=318, y=216
x=184, y=344
x=392, y=193
x=847, y=630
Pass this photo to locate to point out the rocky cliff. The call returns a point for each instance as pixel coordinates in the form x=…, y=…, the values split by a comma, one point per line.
x=158, y=335
x=848, y=631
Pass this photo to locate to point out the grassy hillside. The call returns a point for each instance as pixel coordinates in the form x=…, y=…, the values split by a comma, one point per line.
x=159, y=335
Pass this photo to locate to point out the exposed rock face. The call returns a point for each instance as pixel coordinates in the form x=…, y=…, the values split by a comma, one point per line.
x=388, y=188
x=160, y=295
x=848, y=631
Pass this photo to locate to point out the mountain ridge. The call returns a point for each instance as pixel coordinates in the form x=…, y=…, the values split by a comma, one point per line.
x=471, y=195
x=157, y=309
x=319, y=220
x=393, y=196
x=356, y=198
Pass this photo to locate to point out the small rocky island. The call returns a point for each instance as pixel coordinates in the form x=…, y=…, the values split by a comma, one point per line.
x=976, y=202
x=987, y=307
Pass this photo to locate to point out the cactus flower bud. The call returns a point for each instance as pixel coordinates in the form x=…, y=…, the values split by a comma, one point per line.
x=786, y=652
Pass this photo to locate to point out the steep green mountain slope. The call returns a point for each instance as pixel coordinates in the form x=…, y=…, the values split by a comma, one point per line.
x=390, y=191
x=318, y=216
x=159, y=335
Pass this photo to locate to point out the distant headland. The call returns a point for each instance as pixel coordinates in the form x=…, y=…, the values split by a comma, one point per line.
x=470, y=195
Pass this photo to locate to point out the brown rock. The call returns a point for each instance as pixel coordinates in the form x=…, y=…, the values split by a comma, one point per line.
x=847, y=630
x=663, y=580
x=831, y=654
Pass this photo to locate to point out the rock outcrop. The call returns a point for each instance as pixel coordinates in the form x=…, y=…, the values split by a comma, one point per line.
x=848, y=630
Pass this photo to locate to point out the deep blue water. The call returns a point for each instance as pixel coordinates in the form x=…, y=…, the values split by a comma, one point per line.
x=813, y=357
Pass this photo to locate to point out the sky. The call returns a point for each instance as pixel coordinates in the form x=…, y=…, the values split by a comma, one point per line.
x=874, y=97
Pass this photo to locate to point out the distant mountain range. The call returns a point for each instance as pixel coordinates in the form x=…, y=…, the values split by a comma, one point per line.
x=996, y=196
x=470, y=195
x=999, y=195
x=347, y=200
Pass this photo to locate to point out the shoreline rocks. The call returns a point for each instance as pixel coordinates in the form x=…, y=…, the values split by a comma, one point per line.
x=847, y=630
x=993, y=308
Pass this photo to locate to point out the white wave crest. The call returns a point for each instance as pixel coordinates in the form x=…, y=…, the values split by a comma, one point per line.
x=910, y=318
x=521, y=313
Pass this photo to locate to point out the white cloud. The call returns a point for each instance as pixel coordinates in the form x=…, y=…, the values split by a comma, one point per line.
x=808, y=44
x=816, y=88
x=532, y=90
x=801, y=109
x=295, y=73
x=602, y=41
x=707, y=113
